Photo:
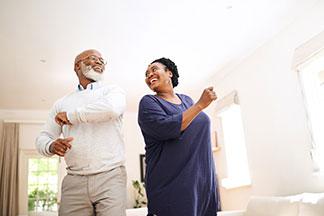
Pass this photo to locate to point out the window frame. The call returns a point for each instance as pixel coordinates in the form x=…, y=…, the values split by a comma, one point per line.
x=24, y=156
x=231, y=182
x=304, y=54
x=315, y=143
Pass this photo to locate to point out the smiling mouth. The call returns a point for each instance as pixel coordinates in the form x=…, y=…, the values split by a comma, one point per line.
x=153, y=80
x=98, y=69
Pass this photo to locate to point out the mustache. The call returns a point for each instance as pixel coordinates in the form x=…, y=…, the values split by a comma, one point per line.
x=90, y=73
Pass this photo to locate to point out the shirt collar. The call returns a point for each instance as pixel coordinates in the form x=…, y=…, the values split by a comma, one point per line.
x=90, y=86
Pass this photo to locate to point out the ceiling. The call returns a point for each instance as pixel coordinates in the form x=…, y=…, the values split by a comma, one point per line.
x=40, y=39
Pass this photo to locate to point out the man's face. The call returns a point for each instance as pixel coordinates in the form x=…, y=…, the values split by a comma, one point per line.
x=91, y=58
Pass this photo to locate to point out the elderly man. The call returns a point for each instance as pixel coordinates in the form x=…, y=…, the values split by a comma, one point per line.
x=89, y=120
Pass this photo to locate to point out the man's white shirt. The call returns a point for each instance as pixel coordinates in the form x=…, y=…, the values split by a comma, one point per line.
x=96, y=115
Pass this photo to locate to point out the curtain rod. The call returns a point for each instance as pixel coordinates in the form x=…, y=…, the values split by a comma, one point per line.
x=24, y=121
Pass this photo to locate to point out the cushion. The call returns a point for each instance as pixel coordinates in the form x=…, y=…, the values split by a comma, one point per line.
x=136, y=212
x=231, y=213
x=272, y=206
x=312, y=204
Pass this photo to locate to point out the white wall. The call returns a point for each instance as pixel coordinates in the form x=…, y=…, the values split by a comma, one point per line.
x=32, y=123
x=273, y=113
x=134, y=147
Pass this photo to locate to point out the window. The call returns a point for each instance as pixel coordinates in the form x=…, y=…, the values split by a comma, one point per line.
x=311, y=75
x=42, y=184
x=40, y=181
x=230, y=125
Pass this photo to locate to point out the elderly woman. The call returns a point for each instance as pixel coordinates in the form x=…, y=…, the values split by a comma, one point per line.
x=180, y=174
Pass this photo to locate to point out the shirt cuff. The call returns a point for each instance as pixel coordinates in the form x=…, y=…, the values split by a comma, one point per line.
x=47, y=148
x=72, y=117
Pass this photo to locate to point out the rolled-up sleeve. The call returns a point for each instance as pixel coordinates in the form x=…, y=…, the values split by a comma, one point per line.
x=110, y=106
x=155, y=122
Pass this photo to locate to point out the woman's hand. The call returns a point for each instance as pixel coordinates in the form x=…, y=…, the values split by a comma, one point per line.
x=206, y=98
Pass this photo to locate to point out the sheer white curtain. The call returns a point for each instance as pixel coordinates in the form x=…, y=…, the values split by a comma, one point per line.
x=308, y=63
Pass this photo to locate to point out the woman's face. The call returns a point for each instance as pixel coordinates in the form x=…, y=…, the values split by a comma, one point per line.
x=157, y=76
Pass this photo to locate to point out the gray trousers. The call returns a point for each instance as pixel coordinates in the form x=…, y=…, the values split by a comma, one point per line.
x=102, y=194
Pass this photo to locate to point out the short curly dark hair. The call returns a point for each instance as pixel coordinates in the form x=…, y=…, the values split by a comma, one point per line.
x=171, y=66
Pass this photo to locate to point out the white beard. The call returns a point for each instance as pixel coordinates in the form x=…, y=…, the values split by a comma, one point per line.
x=88, y=72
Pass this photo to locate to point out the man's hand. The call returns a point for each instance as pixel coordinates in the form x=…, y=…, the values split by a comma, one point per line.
x=61, y=119
x=206, y=98
x=60, y=146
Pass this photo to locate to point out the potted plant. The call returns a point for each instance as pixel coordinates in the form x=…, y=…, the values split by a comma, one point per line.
x=140, y=198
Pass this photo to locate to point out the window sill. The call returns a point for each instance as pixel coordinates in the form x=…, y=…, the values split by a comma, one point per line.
x=232, y=183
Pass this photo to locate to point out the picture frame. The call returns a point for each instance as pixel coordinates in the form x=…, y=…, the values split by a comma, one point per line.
x=142, y=167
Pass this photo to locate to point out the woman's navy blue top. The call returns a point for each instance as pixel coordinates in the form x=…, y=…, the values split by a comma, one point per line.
x=180, y=175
